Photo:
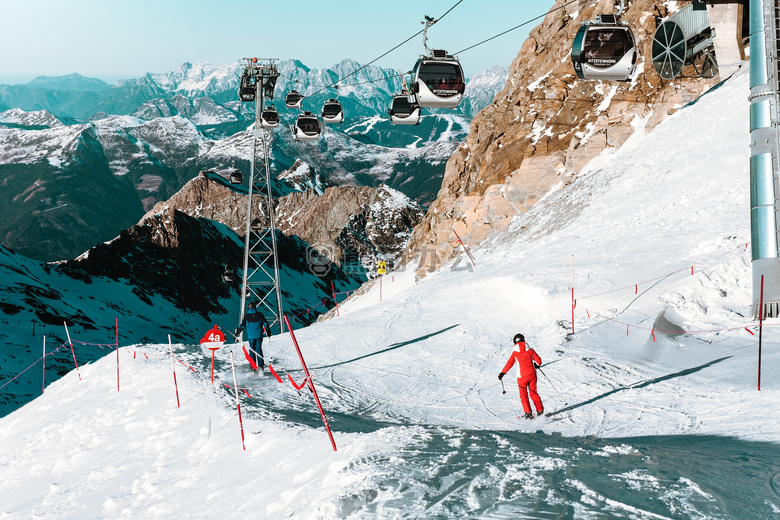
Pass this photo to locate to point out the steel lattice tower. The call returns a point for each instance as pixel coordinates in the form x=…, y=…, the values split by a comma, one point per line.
x=260, y=278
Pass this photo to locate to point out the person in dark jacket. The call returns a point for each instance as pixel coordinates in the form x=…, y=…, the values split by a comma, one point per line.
x=255, y=323
x=527, y=362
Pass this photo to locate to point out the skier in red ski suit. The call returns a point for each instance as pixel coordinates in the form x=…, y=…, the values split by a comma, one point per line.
x=527, y=363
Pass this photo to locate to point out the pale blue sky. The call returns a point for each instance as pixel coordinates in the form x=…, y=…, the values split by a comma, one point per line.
x=111, y=39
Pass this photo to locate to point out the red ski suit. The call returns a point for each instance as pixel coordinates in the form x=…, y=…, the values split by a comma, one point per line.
x=526, y=374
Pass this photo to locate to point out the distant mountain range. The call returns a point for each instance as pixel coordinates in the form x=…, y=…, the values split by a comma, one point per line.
x=80, y=160
x=69, y=83
x=68, y=187
x=365, y=94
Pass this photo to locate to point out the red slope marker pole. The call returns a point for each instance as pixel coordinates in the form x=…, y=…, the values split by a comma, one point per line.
x=572, y=294
x=311, y=383
x=173, y=368
x=70, y=341
x=333, y=289
x=760, y=329
x=238, y=403
x=117, y=354
x=43, y=387
x=464, y=248
x=213, y=351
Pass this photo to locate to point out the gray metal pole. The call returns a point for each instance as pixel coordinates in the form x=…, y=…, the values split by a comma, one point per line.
x=258, y=249
x=764, y=167
x=277, y=283
x=247, y=237
x=271, y=223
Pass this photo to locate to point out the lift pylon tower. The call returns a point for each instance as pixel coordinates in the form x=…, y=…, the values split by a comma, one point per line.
x=261, y=263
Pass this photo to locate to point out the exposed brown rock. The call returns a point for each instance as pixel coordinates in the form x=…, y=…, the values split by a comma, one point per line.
x=203, y=198
x=543, y=128
x=356, y=224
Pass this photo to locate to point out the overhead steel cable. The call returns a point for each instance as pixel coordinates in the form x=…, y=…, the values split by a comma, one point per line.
x=518, y=26
x=335, y=83
x=386, y=53
x=366, y=65
x=299, y=82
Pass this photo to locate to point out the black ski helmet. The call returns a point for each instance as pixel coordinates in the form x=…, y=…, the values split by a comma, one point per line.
x=519, y=338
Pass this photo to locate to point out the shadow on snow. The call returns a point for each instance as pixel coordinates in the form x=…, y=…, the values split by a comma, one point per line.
x=641, y=384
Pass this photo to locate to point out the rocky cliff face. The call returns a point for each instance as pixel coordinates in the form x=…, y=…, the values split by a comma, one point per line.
x=301, y=176
x=209, y=196
x=545, y=126
x=353, y=226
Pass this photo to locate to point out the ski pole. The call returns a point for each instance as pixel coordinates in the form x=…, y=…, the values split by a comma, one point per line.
x=502, y=385
x=253, y=351
x=552, y=385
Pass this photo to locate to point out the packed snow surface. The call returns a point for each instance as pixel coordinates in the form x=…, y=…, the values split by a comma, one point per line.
x=652, y=402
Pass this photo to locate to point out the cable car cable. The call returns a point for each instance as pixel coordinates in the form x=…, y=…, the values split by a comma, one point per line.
x=347, y=85
x=391, y=50
x=518, y=26
x=369, y=63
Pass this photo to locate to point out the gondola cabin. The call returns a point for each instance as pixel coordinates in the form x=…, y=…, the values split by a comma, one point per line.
x=403, y=111
x=604, y=49
x=438, y=81
x=235, y=176
x=332, y=112
x=307, y=127
x=293, y=99
x=269, y=117
x=248, y=87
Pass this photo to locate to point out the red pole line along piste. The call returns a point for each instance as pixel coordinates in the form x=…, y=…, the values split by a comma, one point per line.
x=70, y=341
x=43, y=387
x=333, y=288
x=238, y=403
x=760, y=329
x=117, y=354
x=681, y=270
x=464, y=248
x=173, y=369
x=675, y=331
x=310, y=382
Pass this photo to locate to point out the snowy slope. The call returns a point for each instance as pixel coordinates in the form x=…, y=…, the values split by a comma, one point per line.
x=656, y=207
x=409, y=382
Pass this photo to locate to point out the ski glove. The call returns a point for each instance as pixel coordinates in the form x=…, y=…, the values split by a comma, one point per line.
x=236, y=332
x=536, y=366
x=501, y=375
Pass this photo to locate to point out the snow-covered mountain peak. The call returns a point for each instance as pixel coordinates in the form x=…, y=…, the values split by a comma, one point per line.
x=55, y=145
x=18, y=116
x=205, y=77
x=301, y=176
x=199, y=78
x=174, y=125
x=114, y=123
x=488, y=79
